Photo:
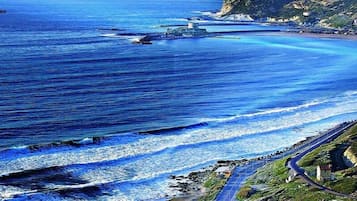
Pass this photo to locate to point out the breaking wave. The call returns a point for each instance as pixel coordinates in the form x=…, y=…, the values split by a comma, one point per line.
x=154, y=155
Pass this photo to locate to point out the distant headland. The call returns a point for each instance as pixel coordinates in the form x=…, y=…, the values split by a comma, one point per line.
x=325, y=16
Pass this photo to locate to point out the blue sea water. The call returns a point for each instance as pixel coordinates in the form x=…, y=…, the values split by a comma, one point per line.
x=166, y=108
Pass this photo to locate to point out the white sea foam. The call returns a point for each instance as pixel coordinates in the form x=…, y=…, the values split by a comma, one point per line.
x=10, y=191
x=177, y=19
x=112, y=35
x=266, y=112
x=350, y=93
x=152, y=144
x=170, y=153
x=131, y=38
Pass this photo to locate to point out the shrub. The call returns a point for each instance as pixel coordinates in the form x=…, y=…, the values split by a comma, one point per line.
x=244, y=193
x=340, y=21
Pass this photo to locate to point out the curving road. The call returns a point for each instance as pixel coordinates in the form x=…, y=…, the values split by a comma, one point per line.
x=328, y=137
x=241, y=173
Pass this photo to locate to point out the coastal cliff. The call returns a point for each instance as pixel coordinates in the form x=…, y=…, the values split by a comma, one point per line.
x=255, y=8
x=351, y=154
x=340, y=14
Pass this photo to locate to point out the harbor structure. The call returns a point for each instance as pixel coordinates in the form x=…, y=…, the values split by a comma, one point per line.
x=192, y=30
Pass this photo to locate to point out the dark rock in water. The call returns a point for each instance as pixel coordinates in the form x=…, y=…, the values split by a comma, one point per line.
x=72, y=143
x=97, y=140
x=111, y=29
x=172, y=129
x=37, y=147
x=40, y=178
x=223, y=162
x=34, y=147
x=194, y=18
x=43, y=180
x=2, y=11
x=86, y=192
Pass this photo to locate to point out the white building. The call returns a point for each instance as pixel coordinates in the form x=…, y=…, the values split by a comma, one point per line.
x=192, y=25
x=224, y=171
x=323, y=173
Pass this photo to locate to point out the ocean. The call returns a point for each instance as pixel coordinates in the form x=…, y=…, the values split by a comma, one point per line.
x=154, y=110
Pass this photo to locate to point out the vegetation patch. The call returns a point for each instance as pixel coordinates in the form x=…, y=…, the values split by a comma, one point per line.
x=354, y=148
x=274, y=175
x=213, y=186
x=340, y=21
x=321, y=155
x=334, y=13
x=344, y=181
x=344, y=185
x=244, y=193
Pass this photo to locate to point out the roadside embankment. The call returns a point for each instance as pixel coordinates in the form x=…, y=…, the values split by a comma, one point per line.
x=207, y=183
x=322, y=165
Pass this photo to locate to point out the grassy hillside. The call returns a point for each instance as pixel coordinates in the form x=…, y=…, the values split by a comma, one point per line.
x=327, y=13
x=255, y=8
x=332, y=153
x=272, y=176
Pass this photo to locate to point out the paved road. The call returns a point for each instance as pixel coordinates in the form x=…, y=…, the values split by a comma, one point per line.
x=241, y=173
x=329, y=136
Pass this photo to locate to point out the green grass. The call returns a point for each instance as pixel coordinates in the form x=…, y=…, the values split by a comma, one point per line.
x=273, y=173
x=354, y=148
x=318, y=156
x=274, y=176
x=296, y=191
x=213, y=185
x=244, y=193
x=340, y=21
x=321, y=154
x=348, y=172
x=345, y=185
x=337, y=14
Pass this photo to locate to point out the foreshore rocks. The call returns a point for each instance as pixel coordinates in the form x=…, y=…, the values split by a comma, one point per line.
x=191, y=186
x=226, y=9
x=73, y=143
x=235, y=17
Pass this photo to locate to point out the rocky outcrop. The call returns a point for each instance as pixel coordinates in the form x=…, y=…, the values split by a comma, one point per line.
x=351, y=157
x=227, y=8
x=235, y=17
x=255, y=8
x=337, y=14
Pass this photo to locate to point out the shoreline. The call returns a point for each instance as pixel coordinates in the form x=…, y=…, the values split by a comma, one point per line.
x=319, y=35
x=299, y=30
x=192, y=186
